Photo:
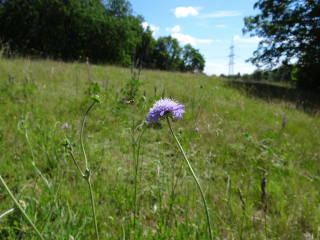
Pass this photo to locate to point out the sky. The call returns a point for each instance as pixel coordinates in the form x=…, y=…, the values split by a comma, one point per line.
x=208, y=25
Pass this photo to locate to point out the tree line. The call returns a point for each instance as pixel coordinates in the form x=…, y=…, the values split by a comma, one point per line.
x=290, y=30
x=284, y=74
x=106, y=31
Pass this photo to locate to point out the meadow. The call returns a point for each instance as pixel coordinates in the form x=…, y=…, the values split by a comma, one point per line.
x=260, y=176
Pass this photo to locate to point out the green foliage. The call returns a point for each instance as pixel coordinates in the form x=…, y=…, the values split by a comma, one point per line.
x=67, y=29
x=257, y=75
x=93, y=88
x=168, y=53
x=289, y=29
x=104, y=31
x=131, y=88
x=193, y=60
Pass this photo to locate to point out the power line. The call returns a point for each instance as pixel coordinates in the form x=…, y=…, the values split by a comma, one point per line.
x=231, y=63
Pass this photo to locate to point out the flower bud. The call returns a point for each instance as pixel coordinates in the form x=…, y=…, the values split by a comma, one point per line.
x=65, y=142
x=96, y=98
x=69, y=148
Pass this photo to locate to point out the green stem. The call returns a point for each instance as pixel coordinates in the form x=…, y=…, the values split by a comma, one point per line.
x=29, y=144
x=81, y=133
x=194, y=176
x=135, y=182
x=75, y=162
x=93, y=209
x=20, y=208
x=88, y=172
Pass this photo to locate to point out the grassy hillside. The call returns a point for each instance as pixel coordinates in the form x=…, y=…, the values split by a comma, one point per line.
x=238, y=142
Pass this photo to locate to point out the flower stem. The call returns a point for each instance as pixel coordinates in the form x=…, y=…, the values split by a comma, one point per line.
x=20, y=208
x=93, y=209
x=81, y=133
x=135, y=183
x=75, y=162
x=88, y=172
x=194, y=176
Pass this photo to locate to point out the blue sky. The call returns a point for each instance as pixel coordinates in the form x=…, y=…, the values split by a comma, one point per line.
x=208, y=25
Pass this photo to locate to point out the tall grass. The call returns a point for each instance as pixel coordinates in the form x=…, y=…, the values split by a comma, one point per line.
x=238, y=141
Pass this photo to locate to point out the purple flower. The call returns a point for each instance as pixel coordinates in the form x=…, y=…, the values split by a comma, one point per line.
x=64, y=126
x=165, y=106
x=197, y=129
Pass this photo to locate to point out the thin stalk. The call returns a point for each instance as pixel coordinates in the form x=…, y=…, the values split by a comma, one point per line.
x=93, y=209
x=7, y=212
x=84, y=119
x=29, y=144
x=20, y=208
x=194, y=176
x=88, y=172
x=135, y=183
x=75, y=162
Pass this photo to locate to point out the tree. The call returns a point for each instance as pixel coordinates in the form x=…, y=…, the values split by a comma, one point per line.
x=68, y=29
x=257, y=75
x=146, y=48
x=289, y=29
x=193, y=60
x=168, y=53
x=282, y=73
x=119, y=8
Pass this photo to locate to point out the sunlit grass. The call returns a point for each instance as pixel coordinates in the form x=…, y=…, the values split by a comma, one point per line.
x=239, y=139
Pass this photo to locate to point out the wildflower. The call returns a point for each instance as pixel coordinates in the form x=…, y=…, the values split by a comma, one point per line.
x=197, y=129
x=23, y=205
x=64, y=126
x=165, y=106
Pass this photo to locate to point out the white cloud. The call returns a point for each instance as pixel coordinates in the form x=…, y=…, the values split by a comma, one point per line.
x=220, y=26
x=174, y=29
x=221, y=14
x=185, y=39
x=254, y=39
x=152, y=27
x=144, y=25
x=185, y=11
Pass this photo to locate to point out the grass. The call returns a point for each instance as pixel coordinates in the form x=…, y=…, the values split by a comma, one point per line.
x=239, y=140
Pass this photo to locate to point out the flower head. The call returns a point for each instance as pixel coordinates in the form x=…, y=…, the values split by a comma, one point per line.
x=165, y=106
x=64, y=126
